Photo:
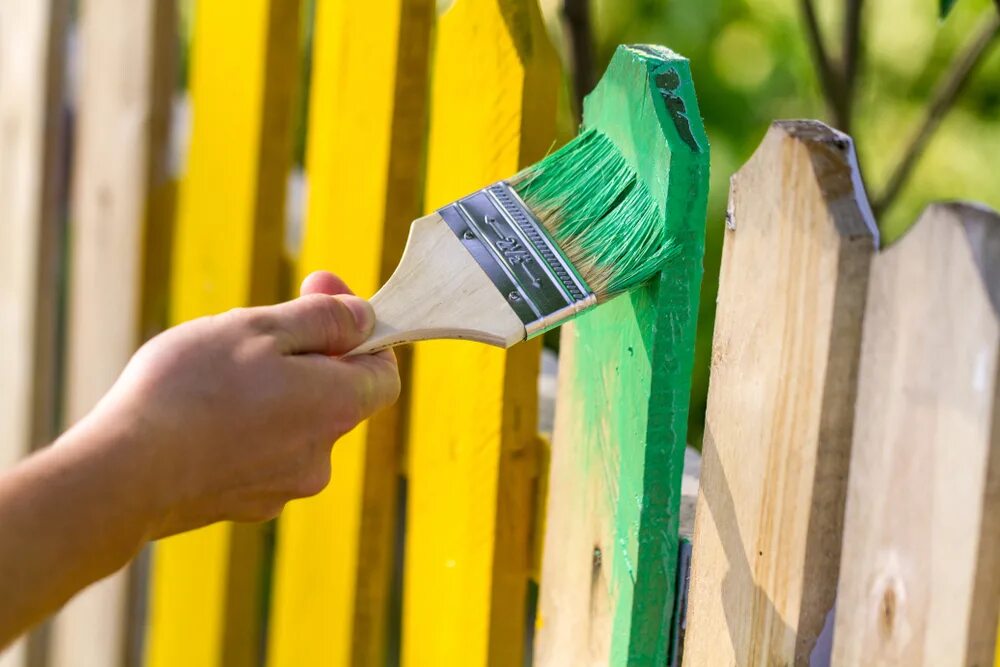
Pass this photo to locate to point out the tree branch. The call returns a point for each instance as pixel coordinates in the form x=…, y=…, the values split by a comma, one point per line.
x=576, y=14
x=829, y=77
x=949, y=86
x=852, y=57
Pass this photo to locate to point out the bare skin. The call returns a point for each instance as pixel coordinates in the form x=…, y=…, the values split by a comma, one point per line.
x=222, y=418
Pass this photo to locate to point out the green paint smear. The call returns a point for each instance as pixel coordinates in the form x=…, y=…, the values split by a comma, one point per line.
x=633, y=356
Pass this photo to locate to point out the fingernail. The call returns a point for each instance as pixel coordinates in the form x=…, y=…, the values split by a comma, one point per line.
x=364, y=315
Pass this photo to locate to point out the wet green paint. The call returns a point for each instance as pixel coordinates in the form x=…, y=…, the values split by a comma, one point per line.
x=633, y=355
x=607, y=221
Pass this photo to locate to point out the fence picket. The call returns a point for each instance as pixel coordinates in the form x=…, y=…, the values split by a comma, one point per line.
x=624, y=382
x=920, y=572
x=120, y=171
x=798, y=245
x=32, y=55
x=849, y=502
x=205, y=595
x=365, y=144
x=473, y=430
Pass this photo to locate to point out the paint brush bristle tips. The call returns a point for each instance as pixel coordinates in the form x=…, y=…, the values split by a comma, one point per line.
x=591, y=201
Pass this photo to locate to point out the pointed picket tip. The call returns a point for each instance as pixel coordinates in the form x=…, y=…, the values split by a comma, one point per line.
x=793, y=279
x=830, y=154
x=978, y=224
x=646, y=104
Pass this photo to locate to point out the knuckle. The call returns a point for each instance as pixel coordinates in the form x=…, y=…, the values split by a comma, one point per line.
x=352, y=413
x=375, y=387
x=314, y=479
x=394, y=387
x=259, y=320
x=235, y=315
x=254, y=320
x=331, y=321
x=385, y=381
x=321, y=315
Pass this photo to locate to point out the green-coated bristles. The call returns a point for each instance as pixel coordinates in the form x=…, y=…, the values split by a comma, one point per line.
x=601, y=214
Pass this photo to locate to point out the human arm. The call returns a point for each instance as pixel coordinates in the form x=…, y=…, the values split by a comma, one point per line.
x=225, y=417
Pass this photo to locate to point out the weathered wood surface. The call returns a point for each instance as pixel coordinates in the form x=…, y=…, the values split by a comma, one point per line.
x=31, y=106
x=472, y=446
x=795, y=260
x=920, y=572
x=205, y=606
x=32, y=54
x=335, y=552
x=607, y=586
x=120, y=170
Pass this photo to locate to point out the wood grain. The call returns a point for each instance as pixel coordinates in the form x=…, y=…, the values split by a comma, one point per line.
x=920, y=573
x=120, y=168
x=607, y=586
x=795, y=261
x=31, y=108
x=439, y=291
x=472, y=447
x=335, y=554
x=205, y=606
x=32, y=53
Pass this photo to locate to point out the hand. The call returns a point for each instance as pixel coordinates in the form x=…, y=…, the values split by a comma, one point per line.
x=236, y=414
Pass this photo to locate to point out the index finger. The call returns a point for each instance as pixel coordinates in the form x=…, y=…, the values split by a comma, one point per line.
x=360, y=386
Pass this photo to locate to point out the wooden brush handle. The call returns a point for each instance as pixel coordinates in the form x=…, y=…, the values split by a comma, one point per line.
x=439, y=291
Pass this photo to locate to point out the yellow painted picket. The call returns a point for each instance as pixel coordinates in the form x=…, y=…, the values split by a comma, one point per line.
x=472, y=439
x=205, y=595
x=368, y=100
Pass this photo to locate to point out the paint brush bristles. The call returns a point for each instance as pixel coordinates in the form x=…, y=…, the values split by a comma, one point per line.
x=599, y=212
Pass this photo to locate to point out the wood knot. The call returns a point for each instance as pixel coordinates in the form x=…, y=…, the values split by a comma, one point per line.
x=887, y=616
x=887, y=613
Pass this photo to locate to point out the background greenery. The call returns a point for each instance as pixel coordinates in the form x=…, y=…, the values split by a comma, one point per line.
x=751, y=64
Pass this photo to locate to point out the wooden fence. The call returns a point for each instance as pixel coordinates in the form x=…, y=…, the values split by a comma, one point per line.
x=852, y=449
x=849, y=486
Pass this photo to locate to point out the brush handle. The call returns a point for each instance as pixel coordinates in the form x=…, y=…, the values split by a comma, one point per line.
x=439, y=291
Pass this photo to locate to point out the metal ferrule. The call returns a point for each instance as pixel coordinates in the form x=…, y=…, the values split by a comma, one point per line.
x=519, y=256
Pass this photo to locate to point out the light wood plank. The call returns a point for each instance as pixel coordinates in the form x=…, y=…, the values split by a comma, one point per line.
x=205, y=597
x=31, y=108
x=335, y=551
x=607, y=586
x=32, y=60
x=473, y=425
x=920, y=573
x=120, y=164
x=795, y=261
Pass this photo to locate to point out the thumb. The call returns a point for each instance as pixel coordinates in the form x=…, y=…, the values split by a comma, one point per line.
x=323, y=324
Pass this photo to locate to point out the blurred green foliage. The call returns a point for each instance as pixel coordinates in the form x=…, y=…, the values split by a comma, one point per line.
x=751, y=65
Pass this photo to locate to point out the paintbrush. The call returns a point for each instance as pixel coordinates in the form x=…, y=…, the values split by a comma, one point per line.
x=528, y=253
